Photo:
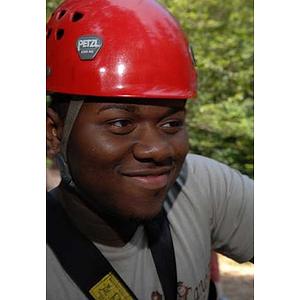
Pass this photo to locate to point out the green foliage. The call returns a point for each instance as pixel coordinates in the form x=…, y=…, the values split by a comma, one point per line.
x=50, y=6
x=220, y=120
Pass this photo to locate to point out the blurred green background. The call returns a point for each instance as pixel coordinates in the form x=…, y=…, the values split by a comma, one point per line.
x=221, y=120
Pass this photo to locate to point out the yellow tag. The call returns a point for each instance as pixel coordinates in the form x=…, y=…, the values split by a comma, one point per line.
x=109, y=288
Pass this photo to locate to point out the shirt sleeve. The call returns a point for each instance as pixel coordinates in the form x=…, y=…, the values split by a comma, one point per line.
x=233, y=215
x=231, y=207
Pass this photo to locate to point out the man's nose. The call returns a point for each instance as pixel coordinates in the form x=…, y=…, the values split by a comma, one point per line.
x=153, y=145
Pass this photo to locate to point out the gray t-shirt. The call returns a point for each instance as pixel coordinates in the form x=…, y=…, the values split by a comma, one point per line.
x=210, y=206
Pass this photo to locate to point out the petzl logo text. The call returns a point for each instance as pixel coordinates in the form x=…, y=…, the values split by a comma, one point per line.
x=88, y=46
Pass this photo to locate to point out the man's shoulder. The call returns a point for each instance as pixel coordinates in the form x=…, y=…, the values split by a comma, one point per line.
x=199, y=159
x=202, y=165
x=207, y=173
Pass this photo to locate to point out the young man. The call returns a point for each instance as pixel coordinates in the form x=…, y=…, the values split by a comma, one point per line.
x=135, y=216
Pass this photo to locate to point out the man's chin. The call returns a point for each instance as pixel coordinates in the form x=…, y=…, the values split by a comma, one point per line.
x=141, y=216
x=143, y=219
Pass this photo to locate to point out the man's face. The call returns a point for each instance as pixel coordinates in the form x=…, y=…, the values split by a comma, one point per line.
x=124, y=155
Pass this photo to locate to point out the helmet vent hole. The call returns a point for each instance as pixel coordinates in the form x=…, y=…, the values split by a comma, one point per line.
x=48, y=33
x=59, y=34
x=77, y=16
x=61, y=14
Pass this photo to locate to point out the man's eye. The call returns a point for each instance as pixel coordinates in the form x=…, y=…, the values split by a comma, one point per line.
x=120, y=126
x=121, y=123
x=172, y=126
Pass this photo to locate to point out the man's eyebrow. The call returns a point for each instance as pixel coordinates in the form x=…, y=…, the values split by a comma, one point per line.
x=126, y=107
x=173, y=110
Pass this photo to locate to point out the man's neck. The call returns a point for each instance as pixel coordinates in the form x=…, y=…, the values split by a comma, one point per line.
x=99, y=228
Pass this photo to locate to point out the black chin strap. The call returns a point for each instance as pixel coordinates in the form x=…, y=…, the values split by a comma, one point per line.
x=91, y=271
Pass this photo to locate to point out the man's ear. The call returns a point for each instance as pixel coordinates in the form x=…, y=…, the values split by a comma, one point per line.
x=54, y=128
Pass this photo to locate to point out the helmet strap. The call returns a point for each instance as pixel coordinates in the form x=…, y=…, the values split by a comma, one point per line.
x=61, y=158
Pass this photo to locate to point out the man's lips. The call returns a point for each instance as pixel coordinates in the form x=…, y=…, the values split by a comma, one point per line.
x=151, y=179
x=147, y=172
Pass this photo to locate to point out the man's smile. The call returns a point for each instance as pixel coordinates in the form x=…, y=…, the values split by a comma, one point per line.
x=151, y=179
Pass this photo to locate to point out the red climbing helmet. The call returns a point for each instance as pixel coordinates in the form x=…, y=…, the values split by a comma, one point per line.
x=118, y=48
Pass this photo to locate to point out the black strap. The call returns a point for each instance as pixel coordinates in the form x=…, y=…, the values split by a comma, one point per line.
x=77, y=254
x=69, y=245
x=212, y=294
x=161, y=245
